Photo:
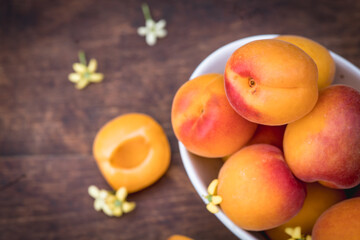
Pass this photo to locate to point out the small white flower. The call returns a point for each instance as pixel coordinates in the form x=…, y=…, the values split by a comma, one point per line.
x=213, y=198
x=85, y=74
x=100, y=197
x=118, y=203
x=152, y=30
x=295, y=234
x=112, y=204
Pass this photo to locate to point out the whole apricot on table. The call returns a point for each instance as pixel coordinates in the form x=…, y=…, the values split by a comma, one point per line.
x=132, y=151
x=324, y=146
x=318, y=199
x=271, y=82
x=258, y=189
x=204, y=121
x=324, y=62
x=341, y=221
x=179, y=237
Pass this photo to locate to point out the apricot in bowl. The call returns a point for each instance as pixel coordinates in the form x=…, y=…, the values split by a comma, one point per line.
x=324, y=145
x=271, y=82
x=258, y=190
x=322, y=57
x=204, y=121
x=341, y=221
x=318, y=199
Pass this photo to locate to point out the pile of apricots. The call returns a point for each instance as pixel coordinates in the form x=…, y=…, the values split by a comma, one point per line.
x=291, y=140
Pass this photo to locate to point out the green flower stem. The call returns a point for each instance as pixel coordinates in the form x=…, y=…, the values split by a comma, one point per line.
x=146, y=11
x=82, y=57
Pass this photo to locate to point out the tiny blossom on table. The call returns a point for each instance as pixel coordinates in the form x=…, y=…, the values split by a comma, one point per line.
x=112, y=204
x=85, y=74
x=152, y=30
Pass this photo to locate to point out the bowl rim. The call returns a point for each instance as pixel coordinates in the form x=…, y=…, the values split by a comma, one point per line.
x=200, y=188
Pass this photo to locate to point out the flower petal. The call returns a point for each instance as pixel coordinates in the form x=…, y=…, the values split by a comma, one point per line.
x=216, y=199
x=74, y=77
x=160, y=24
x=212, y=189
x=142, y=31
x=98, y=204
x=289, y=231
x=110, y=200
x=103, y=194
x=93, y=191
x=297, y=232
x=150, y=39
x=149, y=24
x=92, y=65
x=79, y=68
x=107, y=210
x=121, y=193
x=117, y=212
x=308, y=237
x=161, y=33
x=82, y=83
x=96, y=77
x=128, y=206
x=212, y=208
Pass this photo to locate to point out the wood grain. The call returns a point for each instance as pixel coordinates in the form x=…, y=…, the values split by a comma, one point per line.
x=47, y=126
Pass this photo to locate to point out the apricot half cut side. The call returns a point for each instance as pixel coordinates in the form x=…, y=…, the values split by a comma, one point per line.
x=132, y=151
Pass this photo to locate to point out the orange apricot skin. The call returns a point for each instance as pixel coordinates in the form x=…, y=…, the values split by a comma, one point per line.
x=324, y=62
x=324, y=145
x=318, y=199
x=341, y=221
x=179, y=237
x=258, y=190
x=204, y=121
x=272, y=135
x=119, y=131
x=271, y=82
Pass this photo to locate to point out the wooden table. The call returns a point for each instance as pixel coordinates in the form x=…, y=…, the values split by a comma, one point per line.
x=47, y=126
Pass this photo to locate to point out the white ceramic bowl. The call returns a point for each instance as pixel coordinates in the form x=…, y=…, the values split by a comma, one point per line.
x=200, y=170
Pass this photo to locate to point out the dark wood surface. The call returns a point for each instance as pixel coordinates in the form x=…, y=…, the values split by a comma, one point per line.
x=47, y=126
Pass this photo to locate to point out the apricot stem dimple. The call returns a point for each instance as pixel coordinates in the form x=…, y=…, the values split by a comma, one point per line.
x=251, y=82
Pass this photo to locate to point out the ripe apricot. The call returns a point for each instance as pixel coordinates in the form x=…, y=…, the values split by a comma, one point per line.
x=204, y=121
x=132, y=151
x=318, y=199
x=324, y=62
x=341, y=221
x=324, y=145
x=272, y=135
x=258, y=189
x=271, y=82
x=179, y=237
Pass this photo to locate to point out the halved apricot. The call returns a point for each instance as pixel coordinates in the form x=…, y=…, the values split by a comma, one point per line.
x=132, y=151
